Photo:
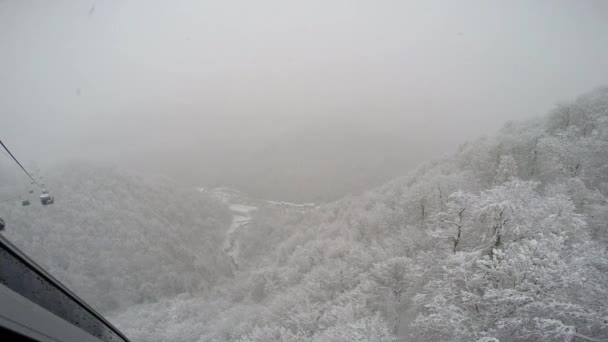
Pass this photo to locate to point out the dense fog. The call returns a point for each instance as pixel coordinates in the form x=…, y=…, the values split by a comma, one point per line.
x=316, y=171
x=275, y=97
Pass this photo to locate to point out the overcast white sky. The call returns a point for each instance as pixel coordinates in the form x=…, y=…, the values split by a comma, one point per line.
x=109, y=78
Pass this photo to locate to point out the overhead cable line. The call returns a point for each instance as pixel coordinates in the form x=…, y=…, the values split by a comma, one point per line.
x=7, y=156
x=21, y=166
x=11, y=159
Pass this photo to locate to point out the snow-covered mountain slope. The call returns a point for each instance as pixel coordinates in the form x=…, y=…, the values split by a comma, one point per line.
x=506, y=239
x=119, y=239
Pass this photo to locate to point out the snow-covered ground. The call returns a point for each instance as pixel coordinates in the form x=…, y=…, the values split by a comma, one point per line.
x=291, y=204
x=233, y=197
x=242, y=215
x=243, y=209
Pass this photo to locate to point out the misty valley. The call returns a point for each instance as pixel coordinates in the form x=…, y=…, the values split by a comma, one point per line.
x=505, y=240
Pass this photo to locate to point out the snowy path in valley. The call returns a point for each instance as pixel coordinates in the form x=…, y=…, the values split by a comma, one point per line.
x=241, y=216
x=243, y=207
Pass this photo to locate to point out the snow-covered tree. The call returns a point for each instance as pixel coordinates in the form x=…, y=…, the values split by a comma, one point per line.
x=519, y=272
x=507, y=169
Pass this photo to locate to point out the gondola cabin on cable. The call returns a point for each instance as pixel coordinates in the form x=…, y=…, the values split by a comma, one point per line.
x=46, y=199
x=25, y=203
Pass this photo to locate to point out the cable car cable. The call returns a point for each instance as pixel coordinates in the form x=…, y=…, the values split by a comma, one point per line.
x=20, y=173
x=7, y=156
x=21, y=166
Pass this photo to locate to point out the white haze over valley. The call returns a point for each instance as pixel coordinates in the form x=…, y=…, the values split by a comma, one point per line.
x=300, y=101
x=276, y=171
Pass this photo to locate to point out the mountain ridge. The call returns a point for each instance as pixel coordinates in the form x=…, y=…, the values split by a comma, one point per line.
x=444, y=254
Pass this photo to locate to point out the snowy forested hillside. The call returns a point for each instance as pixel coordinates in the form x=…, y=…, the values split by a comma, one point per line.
x=507, y=239
x=118, y=239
